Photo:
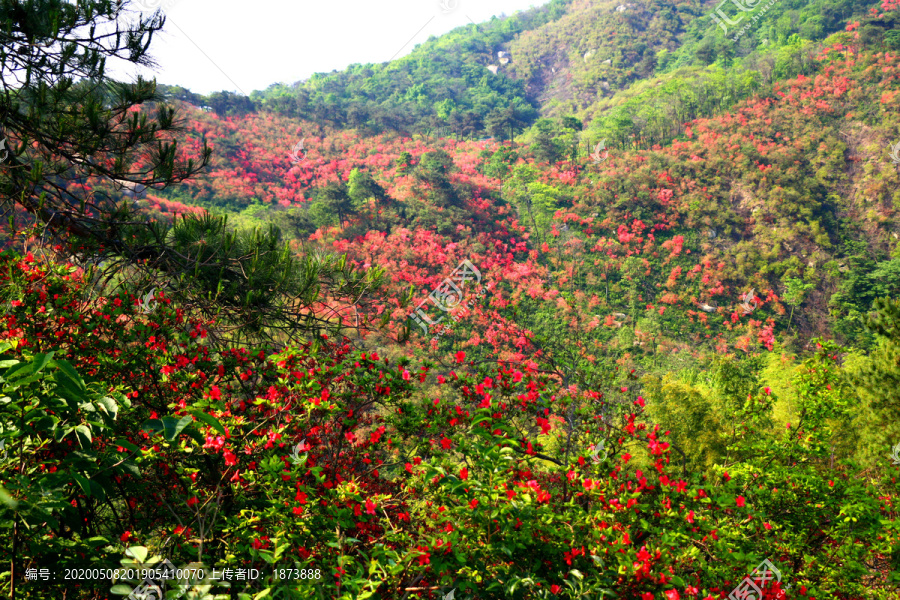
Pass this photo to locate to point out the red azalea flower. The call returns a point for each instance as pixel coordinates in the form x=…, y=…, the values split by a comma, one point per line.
x=259, y=544
x=740, y=501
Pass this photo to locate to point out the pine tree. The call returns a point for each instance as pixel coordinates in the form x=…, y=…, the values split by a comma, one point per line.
x=76, y=139
x=65, y=121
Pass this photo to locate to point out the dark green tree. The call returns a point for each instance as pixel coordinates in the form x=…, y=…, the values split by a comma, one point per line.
x=508, y=121
x=67, y=122
x=433, y=170
x=334, y=196
x=230, y=104
x=881, y=378
x=545, y=145
x=404, y=161
x=499, y=163
x=367, y=197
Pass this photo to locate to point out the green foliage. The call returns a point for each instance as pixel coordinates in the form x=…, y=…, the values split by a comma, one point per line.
x=444, y=80
x=697, y=424
x=193, y=397
x=47, y=405
x=433, y=170
x=67, y=122
x=795, y=292
x=229, y=104
x=880, y=378
x=866, y=279
x=654, y=111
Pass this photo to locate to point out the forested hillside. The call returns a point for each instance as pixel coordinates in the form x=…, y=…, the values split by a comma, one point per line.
x=615, y=318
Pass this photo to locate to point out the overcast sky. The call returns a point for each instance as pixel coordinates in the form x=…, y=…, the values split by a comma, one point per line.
x=211, y=45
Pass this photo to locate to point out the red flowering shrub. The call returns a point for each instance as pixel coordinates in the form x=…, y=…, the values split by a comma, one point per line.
x=128, y=429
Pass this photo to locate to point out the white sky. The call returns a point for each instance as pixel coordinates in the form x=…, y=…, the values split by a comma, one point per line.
x=241, y=46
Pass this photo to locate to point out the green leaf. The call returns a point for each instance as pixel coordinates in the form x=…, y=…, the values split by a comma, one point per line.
x=10, y=502
x=41, y=361
x=128, y=446
x=195, y=435
x=69, y=390
x=20, y=371
x=121, y=589
x=83, y=482
x=97, y=490
x=139, y=553
x=109, y=405
x=89, y=456
x=152, y=425
x=30, y=379
x=176, y=427
x=209, y=420
x=85, y=432
x=97, y=541
x=69, y=372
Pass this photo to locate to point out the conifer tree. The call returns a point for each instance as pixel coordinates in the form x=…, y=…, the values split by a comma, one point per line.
x=75, y=139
